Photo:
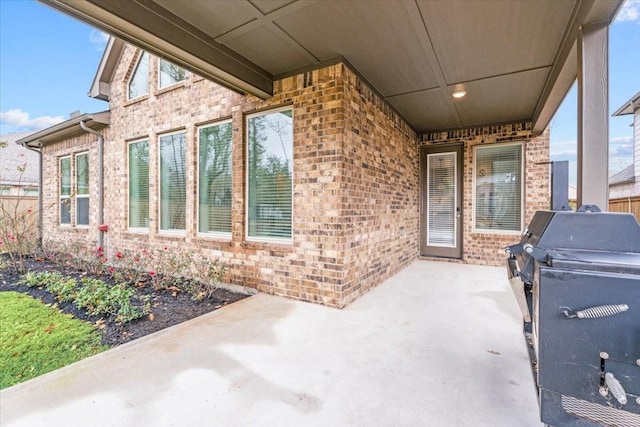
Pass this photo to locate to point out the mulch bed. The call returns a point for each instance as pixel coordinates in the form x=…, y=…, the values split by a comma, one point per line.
x=168, y=308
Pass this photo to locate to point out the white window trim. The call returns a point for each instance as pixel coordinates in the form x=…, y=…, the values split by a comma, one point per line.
x=522, y=189
x=78, y=195
x=143, y=230
x=210, y=234
x=62, y=197
x=133, y=73
x=281, y=240
x=172, y=231
x=172, y=85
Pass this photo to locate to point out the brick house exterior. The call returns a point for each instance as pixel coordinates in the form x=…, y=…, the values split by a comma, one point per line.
x=356, y=191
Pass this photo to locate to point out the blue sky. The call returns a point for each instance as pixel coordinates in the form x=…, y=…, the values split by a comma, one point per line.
x=624, y=83
x=48, y=61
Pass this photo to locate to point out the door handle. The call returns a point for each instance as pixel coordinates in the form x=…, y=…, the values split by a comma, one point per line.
x=458, y=212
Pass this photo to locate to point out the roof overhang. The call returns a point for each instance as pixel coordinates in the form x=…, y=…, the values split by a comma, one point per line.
x=629, y=107
x=101, y=86
x=516, y=60
x=67, y=129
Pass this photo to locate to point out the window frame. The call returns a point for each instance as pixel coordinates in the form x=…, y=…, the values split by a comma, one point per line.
x=259, y=239
x=160, y=86
x=65, y=198
x=171, y=231
x=133, y=74
x=129, y=144
x=474, y=172
x=212, y=234
x=79, y=196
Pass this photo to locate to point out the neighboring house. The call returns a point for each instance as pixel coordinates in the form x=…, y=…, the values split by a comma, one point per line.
x=317, y=193
x=624, y=186
x=19, y=170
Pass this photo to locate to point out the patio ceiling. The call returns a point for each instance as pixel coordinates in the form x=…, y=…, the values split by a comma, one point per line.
x=516, y=60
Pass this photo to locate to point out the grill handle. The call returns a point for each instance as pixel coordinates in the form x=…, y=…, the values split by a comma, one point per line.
x=615, y=388
x=594, y=312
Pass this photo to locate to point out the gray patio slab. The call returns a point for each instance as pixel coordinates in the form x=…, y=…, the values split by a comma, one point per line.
x=438, y=344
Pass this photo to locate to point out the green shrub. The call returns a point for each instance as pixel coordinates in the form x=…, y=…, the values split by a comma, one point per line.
x=40, y=280
x=98, y=298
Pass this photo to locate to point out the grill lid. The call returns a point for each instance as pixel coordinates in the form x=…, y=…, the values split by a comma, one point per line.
x=610, y=262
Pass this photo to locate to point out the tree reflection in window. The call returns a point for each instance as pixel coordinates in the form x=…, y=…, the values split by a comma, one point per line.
x=139, y=83
x=170, y=73
x=173, y=188
x=214, y=179
x=270, y=148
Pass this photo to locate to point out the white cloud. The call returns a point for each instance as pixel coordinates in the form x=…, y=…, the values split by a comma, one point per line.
x=630, y=11
x=20, y=120
x=626, y=139
x=98, y=39
x=559, y=148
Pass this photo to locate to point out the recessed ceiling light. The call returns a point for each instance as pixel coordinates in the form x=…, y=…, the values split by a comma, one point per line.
x=459, y=93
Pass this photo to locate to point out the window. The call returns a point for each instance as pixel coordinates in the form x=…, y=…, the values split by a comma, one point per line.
x=270, y=180
x=498, y=187
x=65, y=190
x=170, y=73
x=214, y=179
x=139, y=83
x=82, y=189
x=139, y=184
x=173, y=188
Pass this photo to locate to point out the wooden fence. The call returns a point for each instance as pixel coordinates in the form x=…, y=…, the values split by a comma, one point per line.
x=627, y=205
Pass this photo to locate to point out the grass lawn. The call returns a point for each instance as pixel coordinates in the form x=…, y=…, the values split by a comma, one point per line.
x=36, y=339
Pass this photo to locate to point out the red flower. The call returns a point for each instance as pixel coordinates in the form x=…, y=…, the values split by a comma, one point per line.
x=119, y=255
x=99, y=248
x=165, y=248
x=152, y=273
x=28, y=210
x=136, y=259
x=111, y=269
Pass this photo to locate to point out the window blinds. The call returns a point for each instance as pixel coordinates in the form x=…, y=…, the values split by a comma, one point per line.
x=173, y=189
x=214, y=179
x=270, y=175
x=82, y=189
x=498, y=187
x=139, y=184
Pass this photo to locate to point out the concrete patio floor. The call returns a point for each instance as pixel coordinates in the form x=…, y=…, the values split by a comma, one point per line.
x=438, y=344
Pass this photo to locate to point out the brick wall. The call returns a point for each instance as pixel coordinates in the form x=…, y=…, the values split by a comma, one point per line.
x=380, y=209
x=354, y=193
x=487, y=247
x=51, y=154
x=355, y=189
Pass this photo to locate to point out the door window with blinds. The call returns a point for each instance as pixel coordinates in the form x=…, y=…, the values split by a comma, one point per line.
x=173, y=188
x=441, y=193
x=139, y=184
x=214, y=179
x=498, y=187
x=82, y=189
x=270, y=175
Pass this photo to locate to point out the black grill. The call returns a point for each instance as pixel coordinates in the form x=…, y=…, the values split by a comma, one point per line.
x=576, y=276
